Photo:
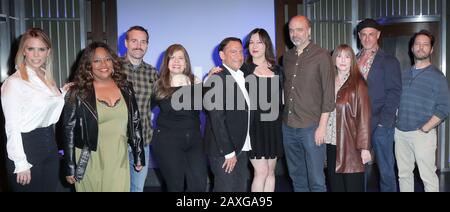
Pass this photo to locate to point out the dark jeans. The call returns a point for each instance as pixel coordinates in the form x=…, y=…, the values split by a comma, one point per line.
x=342, y=182
x=383, y=148
x=40, y=148
x=304, y=158
x=180, y=157
x=236, y=181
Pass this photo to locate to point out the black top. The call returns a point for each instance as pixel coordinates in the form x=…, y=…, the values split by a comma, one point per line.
x=178, y=111
x=266, y=135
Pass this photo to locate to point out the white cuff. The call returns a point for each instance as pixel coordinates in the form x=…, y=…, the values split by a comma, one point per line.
x=230, y=155
x=22, y=166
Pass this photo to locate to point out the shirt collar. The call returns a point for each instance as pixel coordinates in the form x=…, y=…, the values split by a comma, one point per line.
x=34, y=79
x=234, y=73
x=420, y=69
x=373, y=52
x=131, y=66
x=30, y=71
x=306, y=49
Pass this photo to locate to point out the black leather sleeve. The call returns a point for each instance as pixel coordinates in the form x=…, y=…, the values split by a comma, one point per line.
x=69, y=122
x=138, y=143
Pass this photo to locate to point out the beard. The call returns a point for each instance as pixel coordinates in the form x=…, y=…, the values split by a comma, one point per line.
x=297, y=41
x=421, y=55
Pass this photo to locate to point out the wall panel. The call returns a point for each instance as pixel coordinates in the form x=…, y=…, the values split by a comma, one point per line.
x=61, y=19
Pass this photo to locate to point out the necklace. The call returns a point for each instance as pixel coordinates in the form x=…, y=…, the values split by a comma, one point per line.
x=340, y=80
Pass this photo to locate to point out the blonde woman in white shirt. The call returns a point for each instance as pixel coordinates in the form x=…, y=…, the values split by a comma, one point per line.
x=32, y=104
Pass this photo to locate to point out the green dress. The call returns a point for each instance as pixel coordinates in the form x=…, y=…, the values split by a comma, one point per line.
x=108, y=168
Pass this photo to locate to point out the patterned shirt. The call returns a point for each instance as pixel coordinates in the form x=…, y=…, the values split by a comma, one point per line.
x=330, y=137
x=142, y=77
x=365, y=68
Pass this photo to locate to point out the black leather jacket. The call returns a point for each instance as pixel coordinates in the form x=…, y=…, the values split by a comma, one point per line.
x=80, y=124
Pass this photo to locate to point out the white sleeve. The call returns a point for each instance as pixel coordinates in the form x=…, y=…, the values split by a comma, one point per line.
x=11, y=103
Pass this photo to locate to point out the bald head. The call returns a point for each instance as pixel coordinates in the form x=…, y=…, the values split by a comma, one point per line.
x=302, y=19
x=300, y=31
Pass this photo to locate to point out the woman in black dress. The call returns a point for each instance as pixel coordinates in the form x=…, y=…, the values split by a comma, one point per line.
x=265, y=129
x=176, y=140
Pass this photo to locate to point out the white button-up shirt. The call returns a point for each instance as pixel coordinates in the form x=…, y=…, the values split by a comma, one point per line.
x=239, y=77
x=27, y=105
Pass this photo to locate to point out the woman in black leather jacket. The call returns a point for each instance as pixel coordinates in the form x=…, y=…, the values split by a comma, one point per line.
x=100, y=119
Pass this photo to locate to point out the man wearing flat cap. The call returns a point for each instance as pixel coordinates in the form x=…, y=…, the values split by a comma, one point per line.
x=383, y=75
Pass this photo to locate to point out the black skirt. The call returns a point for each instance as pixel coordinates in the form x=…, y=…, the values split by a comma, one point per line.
x=266, y=136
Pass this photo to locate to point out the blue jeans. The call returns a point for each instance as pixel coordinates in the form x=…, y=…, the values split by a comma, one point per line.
x=304, y=158
x=137, y=179
x=383, y=147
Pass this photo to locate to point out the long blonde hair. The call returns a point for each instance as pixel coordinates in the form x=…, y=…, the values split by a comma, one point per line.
x=47, y=67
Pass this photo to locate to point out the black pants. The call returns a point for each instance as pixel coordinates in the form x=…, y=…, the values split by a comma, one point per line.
x=236, y=181
x=41, y=151
x=180, y=157
x=348, y=182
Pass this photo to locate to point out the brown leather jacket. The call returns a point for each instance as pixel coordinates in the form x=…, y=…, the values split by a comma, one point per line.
x=352, y=126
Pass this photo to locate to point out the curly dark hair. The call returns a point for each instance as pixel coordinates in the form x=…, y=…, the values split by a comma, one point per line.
x=83, y=79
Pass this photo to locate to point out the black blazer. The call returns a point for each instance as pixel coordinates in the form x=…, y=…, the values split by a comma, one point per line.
x=80, y=124
x=226, y=129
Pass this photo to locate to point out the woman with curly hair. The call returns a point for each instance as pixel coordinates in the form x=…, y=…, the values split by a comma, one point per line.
x=100, y=117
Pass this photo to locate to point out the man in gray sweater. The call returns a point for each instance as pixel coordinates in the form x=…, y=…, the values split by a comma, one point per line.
x=424, y=103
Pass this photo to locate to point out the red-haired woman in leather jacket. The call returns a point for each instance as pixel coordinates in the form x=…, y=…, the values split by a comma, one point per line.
x=348, y=130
